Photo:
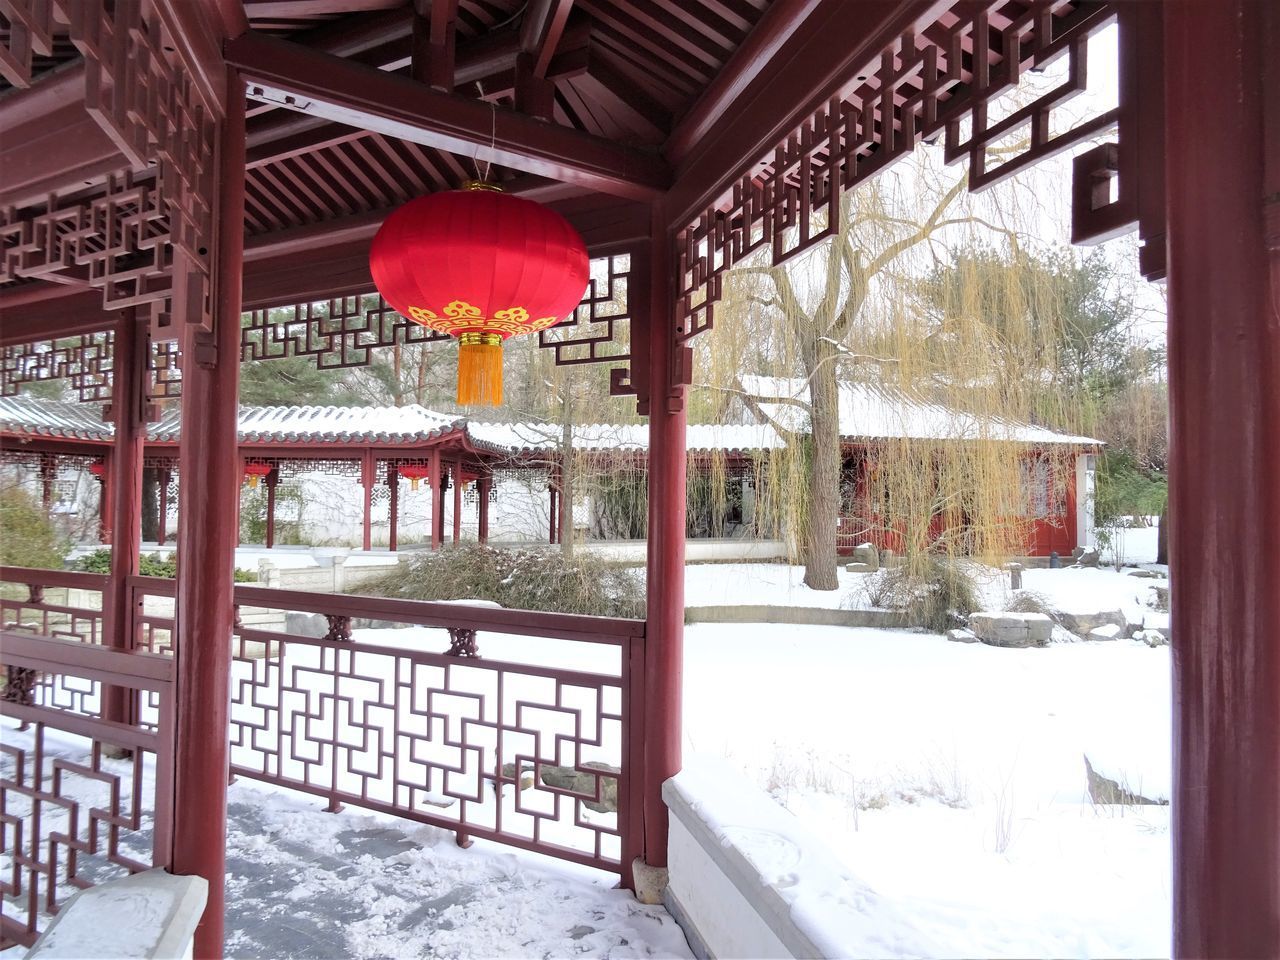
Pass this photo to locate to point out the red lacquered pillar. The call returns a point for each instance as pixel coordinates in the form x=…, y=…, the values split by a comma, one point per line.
x=457, y=502
x=368, y=477
x=1224, y=450
x=125, y=489
x=664, y=645
x=393, y=511
x=208, y=464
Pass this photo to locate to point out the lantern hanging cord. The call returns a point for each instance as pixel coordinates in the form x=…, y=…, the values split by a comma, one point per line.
x=493, y=140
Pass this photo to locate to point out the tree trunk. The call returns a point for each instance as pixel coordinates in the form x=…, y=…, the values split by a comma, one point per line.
x=824, y=471
x=150, y=505
x=1162, y=536
x=566, y=477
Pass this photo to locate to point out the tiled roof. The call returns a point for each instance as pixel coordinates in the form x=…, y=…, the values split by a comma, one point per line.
x=31, y=417
x=884, y=413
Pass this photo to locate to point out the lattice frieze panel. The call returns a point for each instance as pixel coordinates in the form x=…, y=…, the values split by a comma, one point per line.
x=291, y=469
x=164, y=366
x=598, y=330
x=940, y=82
x=341, y=333
x=148, y=240
x=70, y=818
x=31, y=32
x=84, y=361
x=516, y=753
x=335, y=333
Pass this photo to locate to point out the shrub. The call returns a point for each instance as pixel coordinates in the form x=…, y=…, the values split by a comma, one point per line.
x=516, y=579
x=27, y=535
x=1028, y=601
x=149, y=565
x=935, y=591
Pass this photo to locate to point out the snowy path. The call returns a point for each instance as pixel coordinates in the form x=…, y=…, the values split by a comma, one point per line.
x=305, y=884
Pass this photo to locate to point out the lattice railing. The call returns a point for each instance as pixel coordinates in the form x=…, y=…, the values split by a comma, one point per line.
x=507, y=725
x=70, y=815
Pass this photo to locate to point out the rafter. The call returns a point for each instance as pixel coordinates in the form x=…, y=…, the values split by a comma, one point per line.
x=326, y=86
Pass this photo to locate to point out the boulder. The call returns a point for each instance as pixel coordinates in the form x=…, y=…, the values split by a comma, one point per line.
x=1107, y=632
x=868, y=554
x=1086, y=557
x=860, y=568
x=1081, y=623
x=1105, y=790
x=1007, y=629
x=526, y=774
x=1154, y=638
x=1161, y=597
x=578, y=780
x=1145, y=574
x=962, y=636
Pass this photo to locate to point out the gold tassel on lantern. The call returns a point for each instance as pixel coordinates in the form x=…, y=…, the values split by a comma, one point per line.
x=480, y=369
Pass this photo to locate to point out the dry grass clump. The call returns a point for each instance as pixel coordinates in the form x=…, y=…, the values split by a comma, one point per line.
x=1028, y=601
x=516, y=579
x=935, y=591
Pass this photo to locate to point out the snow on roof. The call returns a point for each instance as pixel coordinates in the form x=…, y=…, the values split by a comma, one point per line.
x=878, y=412
x=31, y=417
x=330, y=424
x=627, y=436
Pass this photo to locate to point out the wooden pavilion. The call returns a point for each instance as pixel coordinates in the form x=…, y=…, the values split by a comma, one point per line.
x=166, y=166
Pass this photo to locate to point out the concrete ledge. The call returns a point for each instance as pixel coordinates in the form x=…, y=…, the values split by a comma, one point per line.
x=805, y=616
x=145, y=916
x=747, y=879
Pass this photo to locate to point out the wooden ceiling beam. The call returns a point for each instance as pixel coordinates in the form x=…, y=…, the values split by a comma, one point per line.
x=326, y=86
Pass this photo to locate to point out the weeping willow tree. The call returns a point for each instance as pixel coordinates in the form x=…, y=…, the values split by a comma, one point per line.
x=930, y=303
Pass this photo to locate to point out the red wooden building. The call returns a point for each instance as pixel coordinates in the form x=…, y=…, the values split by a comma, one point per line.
x=166, y=164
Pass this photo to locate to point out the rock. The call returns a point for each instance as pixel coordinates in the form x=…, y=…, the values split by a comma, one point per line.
x=1162, y=597
x=1082, y=623
x=1153, y=638
x=868, y=554
x=962, y=636
x=1104, y=790
x=1108, y=632
x=1005, y=629
x=526, y=774
x=1086, y=558
x=580, y=781
x=1145, y=574
x=860, y=568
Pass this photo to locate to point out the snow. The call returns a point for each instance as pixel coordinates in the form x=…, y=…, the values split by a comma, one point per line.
x=882, y=412
x=733, y=584
x=950, y=777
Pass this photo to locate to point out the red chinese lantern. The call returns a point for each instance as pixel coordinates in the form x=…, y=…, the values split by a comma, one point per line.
x=98, y=468
x=256, y=471
x=482, y=266
x=414, y=474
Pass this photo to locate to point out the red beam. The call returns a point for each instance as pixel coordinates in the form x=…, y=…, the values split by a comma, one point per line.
x=363, y=97
x=776, y=26
x=1224, y=474
x=49, y=142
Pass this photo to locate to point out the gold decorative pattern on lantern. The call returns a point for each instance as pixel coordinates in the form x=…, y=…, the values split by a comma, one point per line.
x=462, y=317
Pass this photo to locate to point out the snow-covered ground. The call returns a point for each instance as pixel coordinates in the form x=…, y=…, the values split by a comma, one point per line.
x=951, y=778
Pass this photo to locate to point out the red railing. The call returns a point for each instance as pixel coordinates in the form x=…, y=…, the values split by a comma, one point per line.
x=82, y=799
x=532, y=744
